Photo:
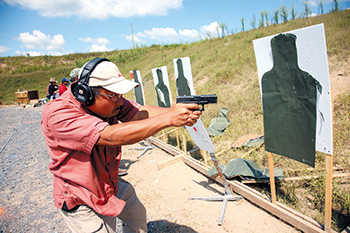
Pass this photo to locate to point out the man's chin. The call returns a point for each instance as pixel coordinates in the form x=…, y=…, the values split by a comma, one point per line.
x=116, y=110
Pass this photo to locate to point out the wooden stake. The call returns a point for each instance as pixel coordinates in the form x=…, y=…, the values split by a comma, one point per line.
x=329, y=183
x=205, y=157
x=177, y=139
x=184, y=140
x=165, y=137
x=272, y=177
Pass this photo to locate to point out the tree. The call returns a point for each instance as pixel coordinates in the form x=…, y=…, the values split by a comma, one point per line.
x=272, y=19
x=253, y=22
x=293, y=11
x=284, y=14
x=275, y=16
x=320, y=8
x=242, y=21
x=223, y=29
x=307, y=9
x=262, y=19
x=267, y=19
x=336, y=9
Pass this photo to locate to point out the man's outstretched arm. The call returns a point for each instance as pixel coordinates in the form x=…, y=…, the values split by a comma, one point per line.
x=148, y=121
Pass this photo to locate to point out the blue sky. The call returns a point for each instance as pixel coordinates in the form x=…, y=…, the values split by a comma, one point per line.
x=58, y=27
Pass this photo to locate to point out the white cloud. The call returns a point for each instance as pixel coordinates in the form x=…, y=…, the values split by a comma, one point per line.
x=55, y=53
x=190, y=34
x=100, y=9
x=98, y=48
x=136, y=38
x=36, y=53
x=161, y=34
x=99, y=44
x=211, y=28
x=31, y=53
x=170, y=35
x=4, y=49
x=39, y=40
x=98, y=40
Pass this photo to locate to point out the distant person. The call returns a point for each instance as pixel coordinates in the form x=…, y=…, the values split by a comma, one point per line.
x=64, y=86
x=52, y=89
x=74, y=74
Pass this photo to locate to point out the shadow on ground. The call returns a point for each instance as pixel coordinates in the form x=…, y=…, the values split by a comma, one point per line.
x=166, y=226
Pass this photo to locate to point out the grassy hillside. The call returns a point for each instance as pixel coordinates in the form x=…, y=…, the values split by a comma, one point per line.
x=227, y=67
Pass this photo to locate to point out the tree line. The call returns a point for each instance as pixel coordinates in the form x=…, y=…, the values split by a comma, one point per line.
x=280, y=15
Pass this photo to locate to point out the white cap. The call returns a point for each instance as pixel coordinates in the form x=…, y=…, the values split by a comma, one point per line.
x=107, y=75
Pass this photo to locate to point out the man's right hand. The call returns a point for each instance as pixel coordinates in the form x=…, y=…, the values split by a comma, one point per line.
x=184, y=114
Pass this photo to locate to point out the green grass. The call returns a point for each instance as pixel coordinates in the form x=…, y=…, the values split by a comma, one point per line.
x=225, y=66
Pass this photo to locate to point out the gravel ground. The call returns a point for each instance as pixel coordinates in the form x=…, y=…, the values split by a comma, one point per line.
x=26, y=202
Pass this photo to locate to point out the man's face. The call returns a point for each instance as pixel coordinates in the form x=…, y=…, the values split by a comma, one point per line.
x=106, y=106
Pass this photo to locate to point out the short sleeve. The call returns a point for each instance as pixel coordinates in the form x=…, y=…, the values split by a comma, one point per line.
x=72, y=128
x=128, y=111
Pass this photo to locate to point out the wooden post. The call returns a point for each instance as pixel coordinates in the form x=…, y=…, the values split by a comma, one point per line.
x=184, y=140
x=165, y=137
x=272, y=177
x=329, y=182
x=205, y=157
x=329, y=188
x=177, y=139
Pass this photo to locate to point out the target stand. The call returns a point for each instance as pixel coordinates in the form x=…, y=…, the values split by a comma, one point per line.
x=145, y=149
x=228, y=194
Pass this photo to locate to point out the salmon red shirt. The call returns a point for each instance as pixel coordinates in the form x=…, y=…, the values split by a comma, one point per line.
x=83, y=172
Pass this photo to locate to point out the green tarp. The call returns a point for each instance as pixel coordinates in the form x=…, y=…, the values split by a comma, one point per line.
x=246, y=169
x=219, y=124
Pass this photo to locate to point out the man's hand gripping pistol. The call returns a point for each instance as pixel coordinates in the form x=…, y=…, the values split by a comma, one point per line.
x=197, y=99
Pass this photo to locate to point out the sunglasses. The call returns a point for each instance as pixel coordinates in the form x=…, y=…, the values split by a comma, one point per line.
x=113, y=97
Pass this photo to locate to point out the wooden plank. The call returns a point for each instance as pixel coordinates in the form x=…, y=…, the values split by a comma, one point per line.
x=169, y=162
x=168, y=148
x=315, y=177
x=165, y=133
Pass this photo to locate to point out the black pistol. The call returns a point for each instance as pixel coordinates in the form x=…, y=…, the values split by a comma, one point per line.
x=197, y=99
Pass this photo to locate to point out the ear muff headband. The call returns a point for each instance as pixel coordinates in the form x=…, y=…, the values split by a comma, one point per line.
x=83, y=92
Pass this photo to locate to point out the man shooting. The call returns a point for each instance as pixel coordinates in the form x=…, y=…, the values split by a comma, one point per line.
x=84, y=131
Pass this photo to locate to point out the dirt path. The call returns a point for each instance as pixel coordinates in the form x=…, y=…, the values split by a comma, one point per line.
x=166, y=193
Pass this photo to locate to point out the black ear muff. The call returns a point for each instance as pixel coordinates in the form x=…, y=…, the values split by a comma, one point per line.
x=82, y=91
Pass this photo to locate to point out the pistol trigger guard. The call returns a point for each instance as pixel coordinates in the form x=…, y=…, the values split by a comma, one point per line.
x=201, y=109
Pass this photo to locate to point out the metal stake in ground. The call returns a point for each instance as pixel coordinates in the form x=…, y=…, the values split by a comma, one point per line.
x=228, y=194
x=145, y=149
